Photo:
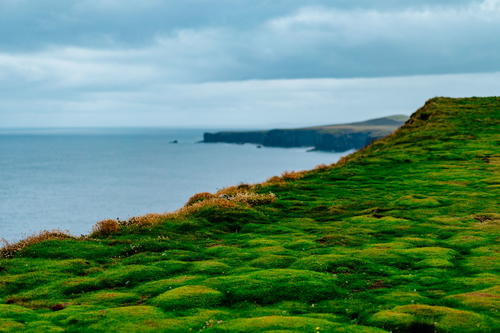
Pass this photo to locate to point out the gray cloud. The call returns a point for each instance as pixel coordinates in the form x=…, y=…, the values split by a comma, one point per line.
x=28, y=24
x=118, y=62
x=305, y=42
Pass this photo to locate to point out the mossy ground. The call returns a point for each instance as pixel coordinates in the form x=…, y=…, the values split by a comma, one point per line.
x=401, y=236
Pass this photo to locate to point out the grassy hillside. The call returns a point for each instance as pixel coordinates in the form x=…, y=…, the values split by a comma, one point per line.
x=401, y=236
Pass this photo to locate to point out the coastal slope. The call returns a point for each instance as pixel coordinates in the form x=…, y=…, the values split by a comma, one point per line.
x=401, y=236
x=340, y=137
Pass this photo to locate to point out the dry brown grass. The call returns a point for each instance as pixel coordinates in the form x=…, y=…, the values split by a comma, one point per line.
x=322, y=167
x=213, y=202
x=9, y=249
x=108, y=227
x=285, y=176
x=199, y=197
x=274, y=180
x=228, y=198
x=293, y=175
x=233, y=190
x=146, y=220
x=253, y=199
x=105, y=227
x=190, y=209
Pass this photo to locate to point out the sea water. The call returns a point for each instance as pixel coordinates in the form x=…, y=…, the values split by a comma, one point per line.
x=68, y=179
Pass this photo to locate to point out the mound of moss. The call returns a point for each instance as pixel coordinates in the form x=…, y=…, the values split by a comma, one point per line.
x=194, y=296
x=400, y=236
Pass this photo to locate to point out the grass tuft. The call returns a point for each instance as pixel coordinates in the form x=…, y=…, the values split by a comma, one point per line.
x=10, y=249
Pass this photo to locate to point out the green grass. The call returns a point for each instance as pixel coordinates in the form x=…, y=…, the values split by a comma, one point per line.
x=401, y=236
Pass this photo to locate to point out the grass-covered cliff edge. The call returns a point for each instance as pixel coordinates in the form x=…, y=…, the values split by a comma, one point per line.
x=401, y=236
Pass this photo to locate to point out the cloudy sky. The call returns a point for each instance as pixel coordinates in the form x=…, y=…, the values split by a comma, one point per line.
x=239, y=63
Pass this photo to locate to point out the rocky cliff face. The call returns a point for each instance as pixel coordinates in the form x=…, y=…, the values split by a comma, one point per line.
x=326, y=138
x=235, y=137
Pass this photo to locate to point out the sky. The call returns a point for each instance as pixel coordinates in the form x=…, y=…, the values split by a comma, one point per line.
x=239, y=63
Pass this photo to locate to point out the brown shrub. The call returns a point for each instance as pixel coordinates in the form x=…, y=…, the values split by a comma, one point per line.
x=105, y=227
x=199, y=197
x=9, y=249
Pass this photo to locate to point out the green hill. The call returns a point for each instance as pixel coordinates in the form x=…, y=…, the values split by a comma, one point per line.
x=401, y=236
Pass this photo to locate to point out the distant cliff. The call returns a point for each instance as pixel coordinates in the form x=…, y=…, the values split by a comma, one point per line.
x=338, y=138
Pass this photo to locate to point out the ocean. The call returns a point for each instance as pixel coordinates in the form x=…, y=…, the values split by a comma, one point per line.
x=68, y=179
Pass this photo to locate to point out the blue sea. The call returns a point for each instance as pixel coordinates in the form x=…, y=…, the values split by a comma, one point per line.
x=68, y=179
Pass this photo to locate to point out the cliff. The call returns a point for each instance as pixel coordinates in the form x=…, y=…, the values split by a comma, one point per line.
x=401, y=236
x=338, y=138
